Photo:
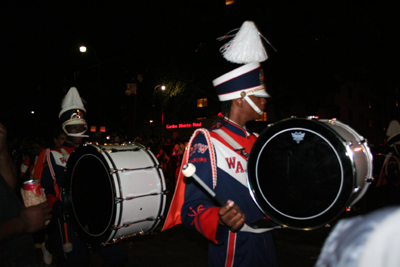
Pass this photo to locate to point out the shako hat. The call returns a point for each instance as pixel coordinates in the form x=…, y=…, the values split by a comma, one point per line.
x=72, y=111
x=393, y=133
x=245, y=48
x=247, y=78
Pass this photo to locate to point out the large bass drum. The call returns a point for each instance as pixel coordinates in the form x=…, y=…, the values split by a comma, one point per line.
x=303, y=173
x=113, y=192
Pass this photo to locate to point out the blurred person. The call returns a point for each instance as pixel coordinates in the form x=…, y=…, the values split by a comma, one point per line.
x=175, y=138
x=115, y=138
x=35, y=147
x=232, y=242
x=369, y=240
x=178, y=149
x=163, y=159
x=17, y=223
x=388, y=184
x=59, y=138
x=51, y=175
x=175, y=163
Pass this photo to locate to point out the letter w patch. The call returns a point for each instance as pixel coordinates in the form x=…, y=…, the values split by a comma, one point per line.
x=231, y=162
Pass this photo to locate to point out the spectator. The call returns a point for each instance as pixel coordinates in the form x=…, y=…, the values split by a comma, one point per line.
x=16, y=222
x=35, y=147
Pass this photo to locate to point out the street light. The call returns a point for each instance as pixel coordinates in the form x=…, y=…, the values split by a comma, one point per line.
x=162, y=87
x=162, y=108
x=83, y=49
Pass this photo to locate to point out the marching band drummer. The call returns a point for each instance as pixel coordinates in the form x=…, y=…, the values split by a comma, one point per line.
x=223, y=168
x=62, y=241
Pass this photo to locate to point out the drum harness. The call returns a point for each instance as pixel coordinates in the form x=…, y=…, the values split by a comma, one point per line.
x=235, y=145
x=259, y=223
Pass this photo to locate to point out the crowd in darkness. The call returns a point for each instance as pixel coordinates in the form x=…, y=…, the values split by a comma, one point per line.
x=168, y=150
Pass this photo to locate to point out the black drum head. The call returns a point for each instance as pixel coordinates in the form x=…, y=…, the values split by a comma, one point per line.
x=300, y=174
x=89, y=194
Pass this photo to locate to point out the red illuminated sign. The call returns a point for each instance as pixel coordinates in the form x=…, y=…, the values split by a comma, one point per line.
x=183, y=125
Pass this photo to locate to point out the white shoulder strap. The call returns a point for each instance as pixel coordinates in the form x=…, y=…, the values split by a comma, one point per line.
x=231, y=142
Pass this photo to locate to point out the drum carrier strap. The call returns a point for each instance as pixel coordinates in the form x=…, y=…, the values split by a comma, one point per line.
x=231, y=142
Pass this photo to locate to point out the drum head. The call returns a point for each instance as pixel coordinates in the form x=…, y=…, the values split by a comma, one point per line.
x=300, y=173
x=89, y=194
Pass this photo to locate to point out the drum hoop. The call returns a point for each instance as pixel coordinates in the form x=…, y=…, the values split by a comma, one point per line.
x=345, y=156
x=80, y=152
x=341, y=176
x=367, y=153
x=73, y=207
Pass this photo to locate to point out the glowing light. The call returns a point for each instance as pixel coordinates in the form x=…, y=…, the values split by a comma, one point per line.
x=32, y=112
x=358, y=149
x=183, y=125
x=82, y=49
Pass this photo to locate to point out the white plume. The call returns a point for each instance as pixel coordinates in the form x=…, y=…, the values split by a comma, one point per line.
x=246, y=46
x=72, y=100
x=393, y=129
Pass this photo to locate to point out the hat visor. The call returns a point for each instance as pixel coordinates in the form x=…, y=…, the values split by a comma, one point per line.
x=75, y=122
x=261, y=93
x=393, y=139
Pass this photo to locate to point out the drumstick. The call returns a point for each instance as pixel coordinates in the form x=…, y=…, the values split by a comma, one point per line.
x=189, y=170
x=67, y=247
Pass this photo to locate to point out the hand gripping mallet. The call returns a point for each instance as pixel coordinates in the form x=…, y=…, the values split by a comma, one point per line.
x=189, y=170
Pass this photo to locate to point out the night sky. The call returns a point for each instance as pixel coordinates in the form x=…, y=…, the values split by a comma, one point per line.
x=316, y=42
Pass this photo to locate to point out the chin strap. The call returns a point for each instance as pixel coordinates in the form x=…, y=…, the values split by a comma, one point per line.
x=251, y=103
x=81, y=134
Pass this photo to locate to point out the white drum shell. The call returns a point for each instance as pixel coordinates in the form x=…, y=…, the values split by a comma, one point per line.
x=361, y=154
x=140, y=189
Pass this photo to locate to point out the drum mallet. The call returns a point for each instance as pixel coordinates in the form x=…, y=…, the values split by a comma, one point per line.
x=67, y=247
x=189, y=170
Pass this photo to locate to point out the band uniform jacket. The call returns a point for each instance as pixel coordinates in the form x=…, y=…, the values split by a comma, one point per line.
x=224, y=171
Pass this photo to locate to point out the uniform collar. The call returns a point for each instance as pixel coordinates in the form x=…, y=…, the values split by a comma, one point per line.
x=232, y=126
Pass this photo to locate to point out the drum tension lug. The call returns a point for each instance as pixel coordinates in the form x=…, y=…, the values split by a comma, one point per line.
x=362, y=142
x=369, y=179
x=155, y=219
x=349, y=143
x=312, y=117
x=118, y=200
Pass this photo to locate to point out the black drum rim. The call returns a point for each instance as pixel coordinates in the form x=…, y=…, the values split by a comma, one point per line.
x=79, y=155
x=343, y=154
x=341, y=169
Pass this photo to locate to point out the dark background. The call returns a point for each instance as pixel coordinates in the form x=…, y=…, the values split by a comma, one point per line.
x=318, y=43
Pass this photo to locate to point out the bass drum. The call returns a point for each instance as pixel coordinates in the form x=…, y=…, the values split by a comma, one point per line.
x=303, y=173
x=113, y=192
